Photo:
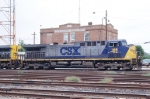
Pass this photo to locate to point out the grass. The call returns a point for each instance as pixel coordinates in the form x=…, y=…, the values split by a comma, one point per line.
x=72, y=79
x=122, y=73
x=111, y=72
x=20, y=71
x=107, y=80
x=147, y=74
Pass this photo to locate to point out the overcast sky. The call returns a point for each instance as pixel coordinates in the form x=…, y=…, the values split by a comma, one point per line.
x=130, y=17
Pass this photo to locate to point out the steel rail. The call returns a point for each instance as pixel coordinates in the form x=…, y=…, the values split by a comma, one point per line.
x=72, y=93
x=83, y=85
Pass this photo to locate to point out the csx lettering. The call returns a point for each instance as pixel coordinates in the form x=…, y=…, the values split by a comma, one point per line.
x=69, y=51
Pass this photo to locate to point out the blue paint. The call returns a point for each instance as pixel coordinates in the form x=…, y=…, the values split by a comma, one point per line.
x=121, y=49
x=69, y=51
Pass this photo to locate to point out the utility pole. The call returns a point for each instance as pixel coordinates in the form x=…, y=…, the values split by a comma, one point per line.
x=34, y=38
x=10, y=22
x=79, y=11
x=106, y=24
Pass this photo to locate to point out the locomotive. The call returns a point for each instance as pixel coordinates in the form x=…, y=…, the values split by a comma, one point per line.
x=113, y=54
x=110, y=54
x=9, y=57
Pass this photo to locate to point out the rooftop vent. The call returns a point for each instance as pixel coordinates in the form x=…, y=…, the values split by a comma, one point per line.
x=89, y=23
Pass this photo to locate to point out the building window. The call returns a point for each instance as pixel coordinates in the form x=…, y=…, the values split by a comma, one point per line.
x=49, y=38
x=72, y=37
x=65, y=37
x=86, y=36
x=109, y=35
x=69, y=26
x=99, y=31
x=104, y=36
x=114, y=36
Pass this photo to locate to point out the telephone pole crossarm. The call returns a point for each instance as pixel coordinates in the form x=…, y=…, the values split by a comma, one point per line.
x=34, y=37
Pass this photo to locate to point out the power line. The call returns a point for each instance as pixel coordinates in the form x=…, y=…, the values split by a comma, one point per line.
x=79, y=11
x=128, y=19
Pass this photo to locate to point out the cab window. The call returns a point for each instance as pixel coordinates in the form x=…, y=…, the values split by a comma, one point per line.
x=114, y=44
x=124, y=43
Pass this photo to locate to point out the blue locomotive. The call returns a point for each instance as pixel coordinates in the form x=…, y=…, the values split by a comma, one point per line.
x=113, y=54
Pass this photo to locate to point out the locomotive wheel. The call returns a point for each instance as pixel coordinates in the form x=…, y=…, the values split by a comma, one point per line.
x=45, y=67
x=52, y=68
x=8, y=66
x=117, y=68
x=0, y=66
x=36, y=68
x=103, y=69
x=128, y=69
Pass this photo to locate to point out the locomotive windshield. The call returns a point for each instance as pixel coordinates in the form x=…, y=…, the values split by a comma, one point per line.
x=124, y=43
x=114, y=44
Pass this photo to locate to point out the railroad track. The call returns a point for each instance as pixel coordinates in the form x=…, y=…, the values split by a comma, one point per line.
x=78, y=89
x=56, y=94
x=90, y=76
x=50, y=84
x=71, y=93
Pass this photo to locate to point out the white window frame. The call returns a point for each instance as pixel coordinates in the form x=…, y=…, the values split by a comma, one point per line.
x=69, y=26
x=87, y=32
x=114, y=36
x=64, y=37
x=49, y=38
x=109, y=35
x=72, y=39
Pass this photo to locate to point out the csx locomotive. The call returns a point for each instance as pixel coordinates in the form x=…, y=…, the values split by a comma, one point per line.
x=9, y=57
x=113, y=54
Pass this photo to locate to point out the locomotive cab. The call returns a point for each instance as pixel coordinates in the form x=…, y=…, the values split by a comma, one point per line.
x=116, y=48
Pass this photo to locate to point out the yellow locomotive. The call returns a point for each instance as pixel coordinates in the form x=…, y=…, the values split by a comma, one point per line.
x=9, y=56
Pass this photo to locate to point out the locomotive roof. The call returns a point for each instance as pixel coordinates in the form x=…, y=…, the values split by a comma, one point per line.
x=103, y=40
x=4, y=46
x=35, y=45
x=118, y=40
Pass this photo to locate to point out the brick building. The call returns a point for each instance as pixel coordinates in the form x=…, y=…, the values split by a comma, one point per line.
x=74, y=32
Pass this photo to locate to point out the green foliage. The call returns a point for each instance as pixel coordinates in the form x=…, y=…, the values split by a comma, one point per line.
x=72, y=79
x=110, y=72
x=122, y=73
x=21, y=43
x=147, y=74
x=139, y=49
x=20, y=71
x=107, y=80
x=146, y=56
x=143, y=54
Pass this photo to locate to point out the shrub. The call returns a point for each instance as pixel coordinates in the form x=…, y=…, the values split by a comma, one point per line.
x=106, y=80
x=72, y=79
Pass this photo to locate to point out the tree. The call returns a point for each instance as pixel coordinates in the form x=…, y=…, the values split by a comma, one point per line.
x=140, y=50
x=146, y=56
x=21, y=43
